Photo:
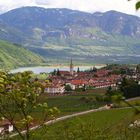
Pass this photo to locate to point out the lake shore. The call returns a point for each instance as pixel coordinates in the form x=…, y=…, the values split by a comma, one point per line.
x=48, y=69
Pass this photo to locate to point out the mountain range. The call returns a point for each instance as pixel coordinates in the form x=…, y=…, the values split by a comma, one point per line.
x=63, y=33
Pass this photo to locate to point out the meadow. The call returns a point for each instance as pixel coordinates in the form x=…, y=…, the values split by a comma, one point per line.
x=72, y=103
x=110, y=124
x=102, y=125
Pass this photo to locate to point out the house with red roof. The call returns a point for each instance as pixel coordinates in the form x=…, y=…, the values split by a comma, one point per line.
x=78, y=83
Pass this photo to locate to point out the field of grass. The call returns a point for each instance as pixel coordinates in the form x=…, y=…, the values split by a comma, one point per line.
x=135, y=102
x=106, y=125
x=92, y=126
x=68, y=104
x=102, y=125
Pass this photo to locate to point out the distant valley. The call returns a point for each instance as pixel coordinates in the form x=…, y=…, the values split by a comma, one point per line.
x=110, y=37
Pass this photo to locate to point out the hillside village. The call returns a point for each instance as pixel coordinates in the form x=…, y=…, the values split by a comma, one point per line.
x=64, y=81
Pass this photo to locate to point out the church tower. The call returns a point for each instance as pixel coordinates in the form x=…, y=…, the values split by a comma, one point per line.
x=71, y=67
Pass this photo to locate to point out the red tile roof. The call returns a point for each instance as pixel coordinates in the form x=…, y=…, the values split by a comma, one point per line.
x=77, y=82
x=64, y=72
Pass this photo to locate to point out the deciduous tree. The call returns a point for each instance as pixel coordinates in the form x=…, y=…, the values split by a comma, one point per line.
x=19, y=95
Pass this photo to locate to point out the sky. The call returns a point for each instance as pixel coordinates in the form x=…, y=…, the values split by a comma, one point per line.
x=82, y=5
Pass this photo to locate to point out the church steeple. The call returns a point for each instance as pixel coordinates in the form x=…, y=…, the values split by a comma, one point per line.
x=71, y=67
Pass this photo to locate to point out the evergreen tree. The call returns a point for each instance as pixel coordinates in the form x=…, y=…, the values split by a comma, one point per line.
x=78, y=70
x=58, y=72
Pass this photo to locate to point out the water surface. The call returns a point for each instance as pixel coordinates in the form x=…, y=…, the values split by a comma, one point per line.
x=48, y=69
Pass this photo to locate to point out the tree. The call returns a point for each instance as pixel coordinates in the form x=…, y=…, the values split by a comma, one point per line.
x=137, y=6
x=109, y=90
x=117, y=98
x=130, y=88
x=19, y=96
x=108, y=94
x=78, y=70
x=54, y=72
x=138, y=68
x=94, y=69
x=58, y=73
x=68, y=88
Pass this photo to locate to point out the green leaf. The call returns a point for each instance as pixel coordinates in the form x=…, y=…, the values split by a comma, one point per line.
x=138, y=5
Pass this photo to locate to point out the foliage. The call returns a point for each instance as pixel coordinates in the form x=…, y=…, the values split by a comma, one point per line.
x=138, y=68
x=78, y=70
x=41, y=76
x=114, y=96
x=68, y=88
x=19, y=98
x=130, y=88
x=58, y=72
x=54, y=72
x=106, y=125
x=137, y=6
x=68, y=104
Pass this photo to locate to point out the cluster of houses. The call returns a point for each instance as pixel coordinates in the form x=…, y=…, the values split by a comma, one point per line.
x=81, y=79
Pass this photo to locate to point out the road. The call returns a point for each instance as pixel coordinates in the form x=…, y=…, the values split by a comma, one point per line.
x=63, y=118
x=133, y=99
x=73, y=115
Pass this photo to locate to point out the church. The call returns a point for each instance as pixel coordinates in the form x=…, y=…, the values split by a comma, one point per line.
x=69, y=73
x=71, y=68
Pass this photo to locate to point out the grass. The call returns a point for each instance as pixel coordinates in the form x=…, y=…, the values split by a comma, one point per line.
x=68, y=104
x=135, y=102
x=70, y=129
x=12, y=56
x=79, y=128
x=107, y=125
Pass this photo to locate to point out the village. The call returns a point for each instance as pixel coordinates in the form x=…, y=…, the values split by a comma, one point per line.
x=80, y=82
x=66, y=81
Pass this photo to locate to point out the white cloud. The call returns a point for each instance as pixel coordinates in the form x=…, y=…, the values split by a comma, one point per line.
x=83, y=5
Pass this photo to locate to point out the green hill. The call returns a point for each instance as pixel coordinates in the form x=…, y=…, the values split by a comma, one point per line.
x=12, y=56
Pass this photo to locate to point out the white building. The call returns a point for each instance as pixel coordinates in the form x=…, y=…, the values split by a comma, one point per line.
x=53, y=89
